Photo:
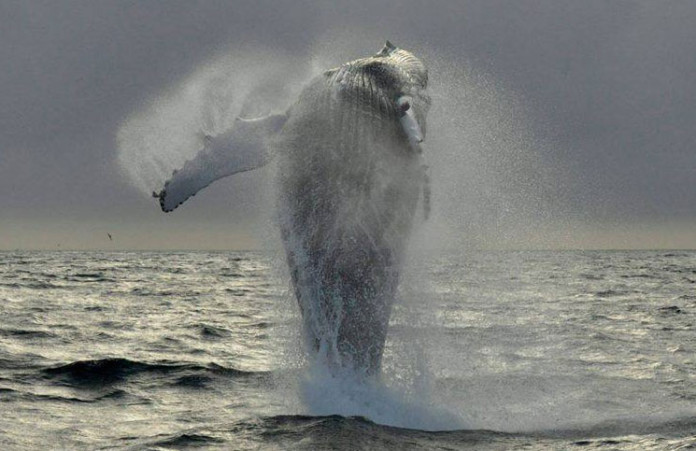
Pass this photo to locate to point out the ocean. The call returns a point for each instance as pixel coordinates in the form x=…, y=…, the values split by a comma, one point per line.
x=486, y=351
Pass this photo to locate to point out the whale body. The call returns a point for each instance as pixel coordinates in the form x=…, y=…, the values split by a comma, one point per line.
x=350, y=176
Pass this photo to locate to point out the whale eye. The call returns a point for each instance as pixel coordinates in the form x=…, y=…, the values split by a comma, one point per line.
x=403, y=104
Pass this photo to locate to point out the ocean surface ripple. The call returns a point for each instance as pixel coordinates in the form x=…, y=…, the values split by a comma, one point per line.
x=486, y=350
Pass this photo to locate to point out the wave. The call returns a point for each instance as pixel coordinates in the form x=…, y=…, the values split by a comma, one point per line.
x=26, y=333
x=160, y=293
x=609, y=293
x=32, y=272
x=186, y=440
x=115, y=394
x=288, y=431
x=22, y=362
x=210, y=332
x=89, y=277
x=676, y=424
x=238, y=291
x=213, y=332
x=671, y=309
x=356, y=432
x=112, y=370
x=33, y=285
x=193, y=381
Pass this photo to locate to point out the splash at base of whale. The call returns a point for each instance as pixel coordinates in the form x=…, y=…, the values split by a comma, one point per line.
x=350, y=176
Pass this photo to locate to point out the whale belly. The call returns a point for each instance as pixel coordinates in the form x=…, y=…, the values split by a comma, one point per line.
x=348, y=189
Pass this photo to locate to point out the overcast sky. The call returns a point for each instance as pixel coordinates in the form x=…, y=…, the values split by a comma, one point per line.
x=582, y=114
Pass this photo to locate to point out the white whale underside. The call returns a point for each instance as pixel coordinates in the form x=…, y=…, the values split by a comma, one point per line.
x=348, y=188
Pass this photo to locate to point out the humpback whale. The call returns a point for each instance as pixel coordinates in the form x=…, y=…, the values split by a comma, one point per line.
x=350, y=175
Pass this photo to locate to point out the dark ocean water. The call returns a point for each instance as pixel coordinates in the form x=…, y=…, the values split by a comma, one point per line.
x=487, y=350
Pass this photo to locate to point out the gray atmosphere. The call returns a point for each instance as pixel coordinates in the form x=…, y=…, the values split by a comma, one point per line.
x=555, y=124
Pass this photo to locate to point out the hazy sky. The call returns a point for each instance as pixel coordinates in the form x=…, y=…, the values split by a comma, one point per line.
x=582, y=114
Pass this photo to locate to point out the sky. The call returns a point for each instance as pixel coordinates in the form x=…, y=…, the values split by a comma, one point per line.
x=555, y=123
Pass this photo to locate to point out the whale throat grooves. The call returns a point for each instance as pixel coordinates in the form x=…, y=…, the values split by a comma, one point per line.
x=347, y=192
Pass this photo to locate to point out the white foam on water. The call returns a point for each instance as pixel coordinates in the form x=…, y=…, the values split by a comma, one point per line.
x=383, y=400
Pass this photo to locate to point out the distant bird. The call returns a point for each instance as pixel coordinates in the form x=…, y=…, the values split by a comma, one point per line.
x=110, y=238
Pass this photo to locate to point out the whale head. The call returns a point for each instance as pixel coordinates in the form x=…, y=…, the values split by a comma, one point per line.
x=406, y=78
x=392, y=81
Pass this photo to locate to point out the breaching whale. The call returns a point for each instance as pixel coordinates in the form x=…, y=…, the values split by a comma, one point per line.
x=350, y=175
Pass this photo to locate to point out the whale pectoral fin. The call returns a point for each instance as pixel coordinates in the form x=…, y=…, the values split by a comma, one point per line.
x=243, y=148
